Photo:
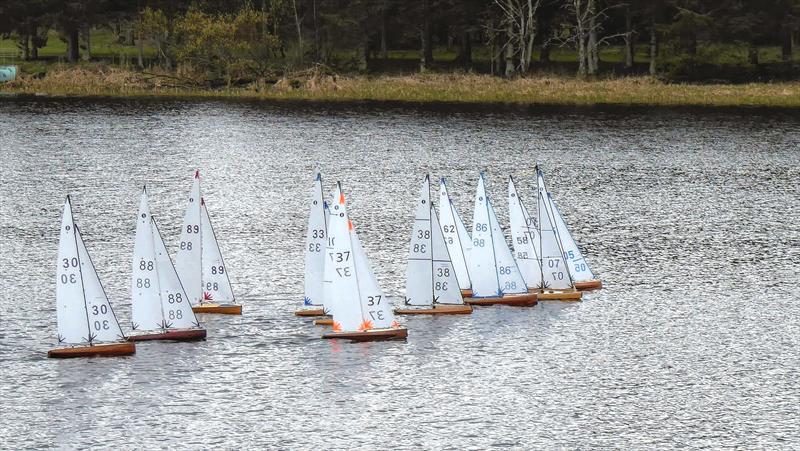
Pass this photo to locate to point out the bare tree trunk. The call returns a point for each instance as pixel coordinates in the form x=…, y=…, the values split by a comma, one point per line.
x=24, y=46
x=299, y=32
x=465, y=54
x=786, y=47
x=384, y=49
x=752, y=55
x=591, y=54
x=629, y=46
x=653, y=48
x=509, y=51
x=426, y=50
x=73, y=49
x=88, y=42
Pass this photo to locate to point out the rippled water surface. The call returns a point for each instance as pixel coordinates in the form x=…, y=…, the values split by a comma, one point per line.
x=690, y=218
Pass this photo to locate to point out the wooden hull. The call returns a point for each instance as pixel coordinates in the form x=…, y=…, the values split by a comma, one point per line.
x=399, y=333
x=323, y=322
x=589, y=285
x=224, y=309
x=103, y=350
x=515, y=300
x=310, y=312
x=173, y=335
x=440, y=309
x=560, y=296
x=466, y=293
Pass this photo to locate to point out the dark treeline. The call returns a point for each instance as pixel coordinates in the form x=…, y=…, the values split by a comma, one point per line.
x=249, y=39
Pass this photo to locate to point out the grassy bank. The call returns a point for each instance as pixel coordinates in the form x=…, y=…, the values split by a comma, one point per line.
x=544, y=90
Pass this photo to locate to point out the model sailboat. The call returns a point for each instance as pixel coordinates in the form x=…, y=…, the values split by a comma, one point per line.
x=360, y=310
x=496, y=279
x=160, y=307
x=86, y=323
x=582, y=275
x=525, y=239
x=199, y=260
x=431, y=284
x=316, y=241
x=456, y=238
x=556, y=277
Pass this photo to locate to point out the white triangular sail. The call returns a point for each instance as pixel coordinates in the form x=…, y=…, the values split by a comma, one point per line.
x=481, y=260
x=146, y=312
x=376, y=309
x=459, y=243
x=445, y=283
x=83, y=311
x=199, y=261
x=357, y=302
x=578, y=266
x=188, y=258
x=419, y=271
x=216, y=284
x=103, y=324
x=508, y=275
x=555, y=272
x=525, y=238
x=316, y=239
x=175, y=304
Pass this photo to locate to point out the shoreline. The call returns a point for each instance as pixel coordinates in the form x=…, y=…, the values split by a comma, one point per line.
x=456, y=90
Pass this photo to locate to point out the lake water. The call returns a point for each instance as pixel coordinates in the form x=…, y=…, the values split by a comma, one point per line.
x=690, y=217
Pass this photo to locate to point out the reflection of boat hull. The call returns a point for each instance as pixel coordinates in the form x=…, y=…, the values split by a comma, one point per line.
x=174, y=335
x=466, y=293
x=105, y=350
x=589, y=285
x=515, y=300
x=224, y=309
x=310, y=312
x=323, y=322
x=439, y=309
x=567, y=295
x=370, y=335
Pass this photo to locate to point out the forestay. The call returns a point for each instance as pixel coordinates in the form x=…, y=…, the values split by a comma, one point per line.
x=459, y=243
x=375, y=308
x=216, y=285
x=103, y=324
x=555, y=273
x=578, y=266
x=445, y=284
x=482, y=262
x=316, y=236
x=175, y=304
x=525, y=238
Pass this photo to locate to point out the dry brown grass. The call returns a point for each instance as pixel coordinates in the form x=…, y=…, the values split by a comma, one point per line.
x=107, y=81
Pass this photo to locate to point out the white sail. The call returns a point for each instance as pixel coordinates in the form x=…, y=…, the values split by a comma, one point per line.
x=175, y=304
x=316, y=238
x=340, y=269
x=445, y=283
x=73, y=326
x=456, y=237
x=188, y=257
x=524, y=237
x=555, y=272
x=375, y=308
x=419, y=271
x=508, y=275
x=327, y=272
x=216, y=285
x=146, y=313
x=103, y=324
x=482, y=263
x=578, y=266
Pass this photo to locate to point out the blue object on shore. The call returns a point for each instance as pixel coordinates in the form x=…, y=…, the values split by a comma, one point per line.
x=8, y=73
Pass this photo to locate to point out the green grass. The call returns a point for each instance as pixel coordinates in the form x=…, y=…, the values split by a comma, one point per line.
x=102, y=42
x=543, y=90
